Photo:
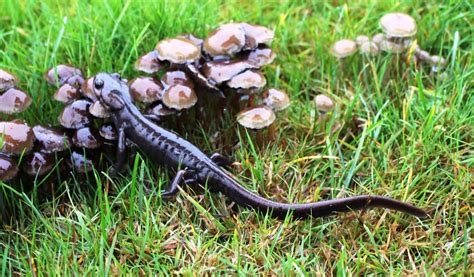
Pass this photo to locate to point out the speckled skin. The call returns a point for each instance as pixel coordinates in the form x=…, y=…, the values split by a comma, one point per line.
x=166, y=148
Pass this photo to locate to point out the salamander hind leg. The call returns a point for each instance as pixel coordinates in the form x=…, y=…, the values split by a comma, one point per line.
x=183, y=177
x=221, y=160
x=121, y=159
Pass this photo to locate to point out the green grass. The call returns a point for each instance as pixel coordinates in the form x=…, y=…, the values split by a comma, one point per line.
x=417, y=147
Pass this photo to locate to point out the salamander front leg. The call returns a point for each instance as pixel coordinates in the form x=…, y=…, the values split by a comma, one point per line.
x=221, y=160
x=153, y=117
x=121, y=153
x=183, y=177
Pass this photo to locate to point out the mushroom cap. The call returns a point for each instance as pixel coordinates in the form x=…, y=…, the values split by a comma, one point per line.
x=146, y=89
x=378, y=38
x=67, y=93
x=17, y=137
x=176, y=77
x=324, y=104
x=88, y=90
x=392, y=47
x=398, y=25
x=361, y=39
x=200, y=80
x=98, y=110
x=225, y=40
x=149, y=63
x=276, y=99
x=108, y=131
x=76, y=114
x=197, y=41
x=436, y=60
x=87, y=138
x=256, y=34
x=259, y=57
x=369, y=48
x=221, y=71
x=257, y=117
x=50, y=140
x=343, y=48
x=179, y=97
x=14, y=101
x=178, y=50
x=247, y=80
x=160, y=110
x=7, y=80
x=38, y=163
x=63, y=71
x=80, y=163
x=8, y=168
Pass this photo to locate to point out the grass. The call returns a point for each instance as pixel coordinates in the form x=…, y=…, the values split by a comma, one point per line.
x=417, y=147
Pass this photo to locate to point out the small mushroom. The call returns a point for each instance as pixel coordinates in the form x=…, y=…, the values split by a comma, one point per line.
x=257, y=117
x=222, y=71
x=87, y=138
x=61, y=73
x=250, y=81
x=67, y=93
x=7, y=80
x=422, y=55
x=149, y=63
x=76, y=114
x=178, y=50
x=259, y=57
x=51, y=140
x=8, y=168
x=16, y=137
x=108, y=131
x=344, y=48
x=228, y=39
x=80, y=163
x=197, y=41
x=160, y=110
x=176, y=77
x=378, y=38
x=88, y=90
x=324, y=104
x=199, y=79
x=146, y=89
x=369, y=48
x=392, y=47
x=14, y=101
x=256, y=35
x=276, y=99
x=361, y=39
x=98, y=110
x=38, y=163
x=398, y=25
x=179, y=97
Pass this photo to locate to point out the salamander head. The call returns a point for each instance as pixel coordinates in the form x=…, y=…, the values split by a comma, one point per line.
x=112, y=91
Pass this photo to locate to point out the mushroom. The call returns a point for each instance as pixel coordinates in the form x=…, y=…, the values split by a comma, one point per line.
x=392, y=47
x=276, y=99
x=228, y=39
x=38, y=163
x=197, y=41
x=8, y=168
x=80, y=163
x=256, y=35
x=7, y=80
x=149, y=63
x=199, y=79
x=108, y=132
x=14, y=101
x=88, y=90
x=378, y=38
x=176, y=77
x=51, y=140
x=179, y=97
x=87, y=138
x=259, y=57
x=259, y=119
x=75, y=115
x=344, y=48
x=67, y=93
x=361, y=39
x=159, y=110
x=221, y=71
x=369, y=48
x=398, y=26
x=177, y=50
x=62, y=73
x=248, y=81
x=16, y=137
x=146, y=89
x=422, y=55
x=98, y=110
x=324, y=104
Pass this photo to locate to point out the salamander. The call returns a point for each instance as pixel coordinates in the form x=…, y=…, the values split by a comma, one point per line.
x=193, y=166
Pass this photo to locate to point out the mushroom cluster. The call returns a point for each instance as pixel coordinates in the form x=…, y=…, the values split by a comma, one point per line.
x=399, y=30
x=199, y=72
x=12, y=99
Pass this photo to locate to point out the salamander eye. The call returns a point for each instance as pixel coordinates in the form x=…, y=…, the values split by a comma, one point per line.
x=98, y=83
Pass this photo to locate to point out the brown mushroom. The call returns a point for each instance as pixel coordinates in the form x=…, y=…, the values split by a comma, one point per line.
x=343, y=48
x=276, y=99
x=7, y=80
x=98, y=110
x=324, y=104
x=200, y=80
x=361, y=39
x=256, y=35
x=88, y=90
x=228, y=39
x=8, y=168
x=87, y=138
x=176, y=77
x=14, y=101
x=67, y=93
x=108, y=131
x=259, y=57
x=51, y=140
x=197, y=41
x=80, y=163
x=249, y=81
x=16, y=137
x=369, y=48
x=177, y=50
x=38, y=163
x=179, y=97
x=149, y=63
x=76, y=114
x=398, y=25
x=160, y=110
x=61, y=73
x=146, y=89
x=222, y=71
x=257, y=117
